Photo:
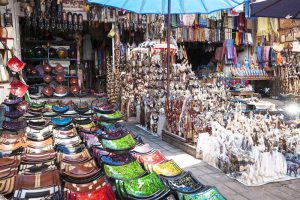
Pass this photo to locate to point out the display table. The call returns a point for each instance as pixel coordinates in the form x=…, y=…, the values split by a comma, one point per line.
x=178, y=142
x=242, y=93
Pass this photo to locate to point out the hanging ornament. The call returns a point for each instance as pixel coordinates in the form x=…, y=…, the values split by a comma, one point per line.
x=15, y=64
x=18, y=88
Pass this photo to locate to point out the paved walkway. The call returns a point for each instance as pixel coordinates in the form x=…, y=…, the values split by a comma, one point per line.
x=230, y=188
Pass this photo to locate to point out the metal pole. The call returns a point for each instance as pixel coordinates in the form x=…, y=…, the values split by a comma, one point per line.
x=168, y=48
x=113, y=50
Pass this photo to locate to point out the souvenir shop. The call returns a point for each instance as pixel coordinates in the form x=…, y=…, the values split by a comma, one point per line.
x=74, y=71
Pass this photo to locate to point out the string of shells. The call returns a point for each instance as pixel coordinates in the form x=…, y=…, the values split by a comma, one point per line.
x=290, y=76
x=113, y=73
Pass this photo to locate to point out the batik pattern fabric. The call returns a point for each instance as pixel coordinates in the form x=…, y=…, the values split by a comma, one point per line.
x=259, y=50
x=229, y=51
x=263, y=26
x=273, y=58
x=188, y=19
x=202, y=21
x=266, y=56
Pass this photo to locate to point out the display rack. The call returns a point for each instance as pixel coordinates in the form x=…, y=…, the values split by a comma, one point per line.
x=66, y=62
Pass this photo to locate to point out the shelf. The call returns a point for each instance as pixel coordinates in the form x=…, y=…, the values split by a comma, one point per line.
x=269, y=70
x=50, y=42
x=39, y=76
x=55, y=59
x=64, y=59
x=34, y=59
x=6, y=38
x=254, y=78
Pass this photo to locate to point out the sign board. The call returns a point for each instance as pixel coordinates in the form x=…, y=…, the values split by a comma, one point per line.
x=73, y=5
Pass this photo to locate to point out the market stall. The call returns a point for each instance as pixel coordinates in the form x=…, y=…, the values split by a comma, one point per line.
x=197, y=78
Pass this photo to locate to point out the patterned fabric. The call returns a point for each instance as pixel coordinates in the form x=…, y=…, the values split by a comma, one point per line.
x=263, y=26
x=202, y=21
x=259, y=50
x=188, y=19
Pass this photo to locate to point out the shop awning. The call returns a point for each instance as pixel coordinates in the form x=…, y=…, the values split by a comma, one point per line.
x=289, y=9
x=177, y=6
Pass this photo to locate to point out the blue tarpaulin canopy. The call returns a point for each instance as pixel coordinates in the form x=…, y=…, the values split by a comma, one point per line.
x=177, y=6
x=289, y=9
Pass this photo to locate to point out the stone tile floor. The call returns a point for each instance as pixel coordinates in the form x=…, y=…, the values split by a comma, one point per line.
x=230, y=188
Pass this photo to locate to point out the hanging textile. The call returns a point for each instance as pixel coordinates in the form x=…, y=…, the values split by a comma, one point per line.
x=272, y=57
x=196, y=24
x=249, y=38
x=263, y=26
x=188, y=19
x=203, y=21
x=230, y=22
x=185, y=34
x=174, y=23
x=242, y=26
x=215, y=15
x=230, y=49
x=179, y=20
x=259, y=50
x=266, y=55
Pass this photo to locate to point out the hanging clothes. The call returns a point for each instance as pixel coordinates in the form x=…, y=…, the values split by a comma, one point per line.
x=179, y=20
x=191, y=34
x=274, y=23
x=266, y=54
x=230, y=22
x=203, y=21
x=249, y=38
x=196, y=23
x=174, y=21
x=225, y=21
x=185, y=34
x=237, y=39
x=242, y=26
x=207, y=34
x=272, y=57
x=263, y=26
x=179, y=34
x=259, y=50
x=188, y=19
x=230, y=49
x=215, y=15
